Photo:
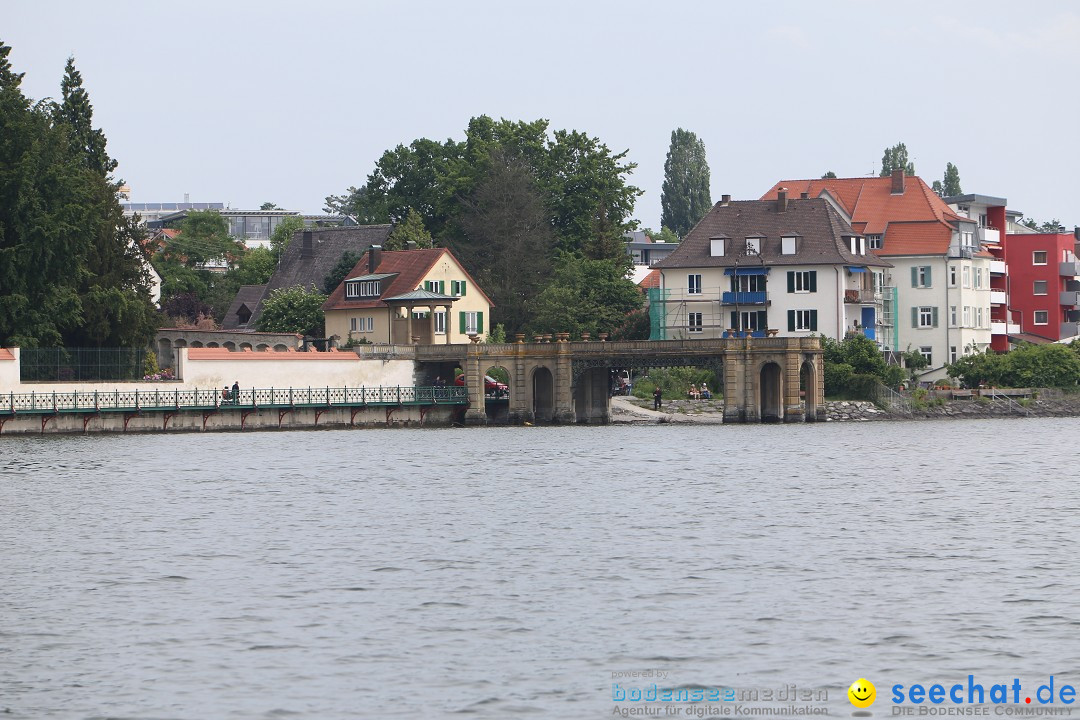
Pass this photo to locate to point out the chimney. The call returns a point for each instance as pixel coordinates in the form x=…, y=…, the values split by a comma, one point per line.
x=781, y=200
x=306, y=250
x=374, y=258
x=410, y=244
x=725, y=200
x=1076, y=232
x=898, y=181
x=804, y=196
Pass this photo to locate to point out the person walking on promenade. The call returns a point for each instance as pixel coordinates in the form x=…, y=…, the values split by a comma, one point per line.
x=657, y=396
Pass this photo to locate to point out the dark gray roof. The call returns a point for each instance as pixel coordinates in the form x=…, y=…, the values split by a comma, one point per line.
x=419, y=295
x=247, y=295
x=820, y=227
x=327, y=247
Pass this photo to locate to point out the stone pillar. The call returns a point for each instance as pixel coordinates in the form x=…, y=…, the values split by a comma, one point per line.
x=408, y=325
x=474, y=381
x=793, y=410
x=520, y=392
x=751, y=382
x=564, y=396
x=734, y=381
x=448, y=323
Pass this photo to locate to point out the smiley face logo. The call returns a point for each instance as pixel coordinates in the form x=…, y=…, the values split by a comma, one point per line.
x=862, y=693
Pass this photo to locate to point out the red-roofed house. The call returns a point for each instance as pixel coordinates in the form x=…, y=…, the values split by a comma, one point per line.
x=937, y=295
x=407, y=296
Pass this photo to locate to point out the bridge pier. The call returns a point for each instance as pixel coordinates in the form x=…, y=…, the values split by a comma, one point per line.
x=476, y=414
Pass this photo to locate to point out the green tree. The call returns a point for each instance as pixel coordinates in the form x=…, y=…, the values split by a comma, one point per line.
x=87, y=141
x=340, y=271
x=938, y=188
x=269, y=206
x=296, y=309
x=283, y=235
x=409, y=229
x=829, y=175
x=254, y=267
x=507, y=240
x=685, y=195
x=915, y=362
x=585, y=295
x=204, y=238
x=666, y=235
x=896, y=158
x=951, y=184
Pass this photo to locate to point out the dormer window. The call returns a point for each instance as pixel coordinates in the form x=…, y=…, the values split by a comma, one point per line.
x=362, y=288
x=716, y=246
x=788, y=245
x=753, y=246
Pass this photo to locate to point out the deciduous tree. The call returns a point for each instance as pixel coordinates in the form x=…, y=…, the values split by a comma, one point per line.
x=409, y=229
x=296, y=309
x=685, y=197
x=896, y=157
x=951, y=183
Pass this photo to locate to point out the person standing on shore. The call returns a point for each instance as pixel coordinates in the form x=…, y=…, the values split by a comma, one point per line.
x=657, y=396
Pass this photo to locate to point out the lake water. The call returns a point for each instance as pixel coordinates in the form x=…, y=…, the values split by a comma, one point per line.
x=506, y=572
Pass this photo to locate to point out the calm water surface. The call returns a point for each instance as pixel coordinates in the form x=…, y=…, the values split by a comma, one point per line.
x=495, y=573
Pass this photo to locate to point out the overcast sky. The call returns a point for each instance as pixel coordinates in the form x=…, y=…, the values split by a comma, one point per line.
x=247, y=102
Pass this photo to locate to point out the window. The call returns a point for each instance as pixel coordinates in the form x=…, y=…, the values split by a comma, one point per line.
x=802, y=281
x=952, y=353
x=457, y=288
x=693, y=284
x=874, y=242
x=967, y=276
x=359, y=324
x=366, y=288
x=978, y=317
x=748, y=283
x=977, y=277
x=924, y=317
x=753, y=246
x=1042, y=317
x=920, y=276
x=801, y=320
x=1038, y=257
x=967, y=316
x=435, y=286
x=927, y=352
x=787, y=245
x=879, y=281
x=752, y=320
x=440, y=322
x=1040, y=287
x=471, y=322
x=952, y=276
x=694, y=322
x=952, y=316
x=716, y=247
x=353, y=324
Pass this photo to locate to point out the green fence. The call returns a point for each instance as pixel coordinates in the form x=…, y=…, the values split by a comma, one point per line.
x=81, y=364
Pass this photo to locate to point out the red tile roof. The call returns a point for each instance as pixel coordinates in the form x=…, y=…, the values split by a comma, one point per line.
x=875, y=210
x=411, y=267
x=652, y=280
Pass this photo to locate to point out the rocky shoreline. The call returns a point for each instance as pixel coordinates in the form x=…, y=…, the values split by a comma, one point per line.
x=710, y=412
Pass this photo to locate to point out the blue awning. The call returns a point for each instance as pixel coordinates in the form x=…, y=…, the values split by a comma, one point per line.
x=855, y=268
x=747, y=271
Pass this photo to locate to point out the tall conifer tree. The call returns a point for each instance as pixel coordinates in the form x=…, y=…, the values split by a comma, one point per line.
x=685, y=198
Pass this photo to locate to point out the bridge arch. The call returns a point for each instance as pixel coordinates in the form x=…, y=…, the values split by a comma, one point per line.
x=592, y=396
x=543, y=394
x=771, y=393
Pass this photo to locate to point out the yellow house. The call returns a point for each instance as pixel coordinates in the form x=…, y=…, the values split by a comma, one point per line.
x=407, y=296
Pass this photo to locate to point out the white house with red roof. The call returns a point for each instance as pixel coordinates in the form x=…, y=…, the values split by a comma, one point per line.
x=408, y=296
x=938, y=292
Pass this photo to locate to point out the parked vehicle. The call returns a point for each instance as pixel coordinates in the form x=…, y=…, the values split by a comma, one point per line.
x=492, y=387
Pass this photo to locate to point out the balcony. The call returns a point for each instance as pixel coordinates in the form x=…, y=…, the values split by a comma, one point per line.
x=863, y=297
x=990, y=235
x=1069, y=269
x=998, y=297
x=1071, y=298
x=962, y=252
x=1001, y=328
x=1069, y=329
x=744, y=298
x=997, y=267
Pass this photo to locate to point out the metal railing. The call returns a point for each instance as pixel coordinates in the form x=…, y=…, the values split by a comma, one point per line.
x=201, y=399
x=993, y=394
x=887, y=398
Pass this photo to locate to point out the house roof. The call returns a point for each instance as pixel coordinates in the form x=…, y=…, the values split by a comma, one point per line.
x=652, y=280
x=409, y=268
x=418, y=295
x=874, y=208
x=819, y=226
x=249, y=296
x=327, y=246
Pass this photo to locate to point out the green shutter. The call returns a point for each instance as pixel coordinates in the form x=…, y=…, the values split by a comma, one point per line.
x=790, y=317
x=934, y=316
x=763, y=319
x=461, y=317
x=813, y=320
x=461, y=285
x=480, y=322
x=442, y=287
x=914, y=277
x=929, y=283
x=914, y=317
x=790, y=281
x=813, y=281
x=734, y=320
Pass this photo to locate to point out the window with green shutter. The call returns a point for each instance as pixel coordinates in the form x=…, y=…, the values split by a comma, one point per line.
x=461, y=317
x=480, y=322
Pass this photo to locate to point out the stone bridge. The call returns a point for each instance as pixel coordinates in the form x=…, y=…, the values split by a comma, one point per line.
x=765, y=379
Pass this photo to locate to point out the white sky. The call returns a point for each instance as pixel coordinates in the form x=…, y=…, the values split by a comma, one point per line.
x=246, y=102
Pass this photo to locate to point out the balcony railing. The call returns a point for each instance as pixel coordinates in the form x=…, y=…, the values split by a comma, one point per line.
x=997, y=267
x=744, y=298
x=1069, y=269
x=861, y=296
x=998, y=297
x=1070, y=298
x=962, y=252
